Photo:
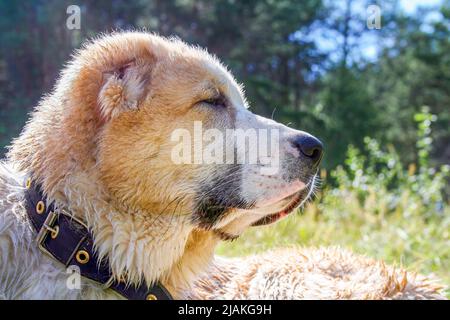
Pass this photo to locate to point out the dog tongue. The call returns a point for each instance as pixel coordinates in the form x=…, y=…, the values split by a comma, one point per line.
x=276, y=216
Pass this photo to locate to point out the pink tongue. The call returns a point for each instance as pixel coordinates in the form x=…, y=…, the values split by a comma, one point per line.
x=274, y=217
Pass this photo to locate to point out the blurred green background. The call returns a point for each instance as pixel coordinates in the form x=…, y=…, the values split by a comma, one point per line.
x=313, y=63
x=378, y=98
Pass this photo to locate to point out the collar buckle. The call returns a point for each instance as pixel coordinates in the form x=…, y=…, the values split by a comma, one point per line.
x=46, y=229
x=72, y=236
x=49, y=227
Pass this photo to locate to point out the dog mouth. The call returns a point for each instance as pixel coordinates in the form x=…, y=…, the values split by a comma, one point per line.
x=288, y=205
x=268, y=213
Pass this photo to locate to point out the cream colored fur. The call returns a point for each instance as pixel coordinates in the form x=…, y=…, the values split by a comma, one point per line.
x=86, y=144
x=312, y=273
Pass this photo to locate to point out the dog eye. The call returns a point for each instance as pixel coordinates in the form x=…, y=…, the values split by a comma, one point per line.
x=215, y=102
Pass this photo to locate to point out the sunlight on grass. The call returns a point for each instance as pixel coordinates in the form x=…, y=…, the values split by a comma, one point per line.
x=375, y=207
x=403, y=237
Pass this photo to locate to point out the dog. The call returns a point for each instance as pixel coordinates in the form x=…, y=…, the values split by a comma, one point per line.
x=98, y=161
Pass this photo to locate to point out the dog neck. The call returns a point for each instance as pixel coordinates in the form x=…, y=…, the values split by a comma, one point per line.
x=140, y=246
x=58, y=147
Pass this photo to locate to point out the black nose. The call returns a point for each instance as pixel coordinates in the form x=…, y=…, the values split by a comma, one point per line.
x=310, y=147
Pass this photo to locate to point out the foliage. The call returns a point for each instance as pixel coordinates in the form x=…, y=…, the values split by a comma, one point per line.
x=378, y=208
x=382, y=171
x=273, y=48
x=385, y=196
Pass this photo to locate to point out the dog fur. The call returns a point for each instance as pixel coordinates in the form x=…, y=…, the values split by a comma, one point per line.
x=99, y=146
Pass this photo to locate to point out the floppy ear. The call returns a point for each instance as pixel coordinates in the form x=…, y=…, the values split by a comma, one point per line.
x=123, y=88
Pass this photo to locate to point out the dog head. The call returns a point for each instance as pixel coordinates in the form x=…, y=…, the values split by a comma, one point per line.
x=179, y=138
x=161, y=132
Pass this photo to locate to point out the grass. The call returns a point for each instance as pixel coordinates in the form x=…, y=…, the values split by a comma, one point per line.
x=403, y=237
x=374, y=206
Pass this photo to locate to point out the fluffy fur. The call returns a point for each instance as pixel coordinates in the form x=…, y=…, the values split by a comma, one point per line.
x=99, y=145
x=311, y=273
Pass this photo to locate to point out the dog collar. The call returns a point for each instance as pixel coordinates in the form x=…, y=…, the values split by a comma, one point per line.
x=69, y=241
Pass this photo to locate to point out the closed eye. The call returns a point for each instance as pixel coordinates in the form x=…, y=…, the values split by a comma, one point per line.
x=215, y=102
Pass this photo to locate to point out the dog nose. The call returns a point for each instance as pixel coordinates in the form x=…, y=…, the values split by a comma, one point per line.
x=310, y=147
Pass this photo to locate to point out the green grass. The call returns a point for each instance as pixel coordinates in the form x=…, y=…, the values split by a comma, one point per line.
x=375, y=206
x=403, y=236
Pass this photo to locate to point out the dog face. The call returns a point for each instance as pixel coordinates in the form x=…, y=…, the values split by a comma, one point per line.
x=178, y=139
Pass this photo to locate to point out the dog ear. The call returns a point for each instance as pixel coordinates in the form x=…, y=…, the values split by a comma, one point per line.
x=123, y=88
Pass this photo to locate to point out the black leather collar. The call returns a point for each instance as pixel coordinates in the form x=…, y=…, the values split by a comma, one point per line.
x=69, y=241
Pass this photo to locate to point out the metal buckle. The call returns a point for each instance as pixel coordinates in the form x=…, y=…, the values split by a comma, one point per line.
x=48, y=227
x=44, y=231
x=71, y=217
